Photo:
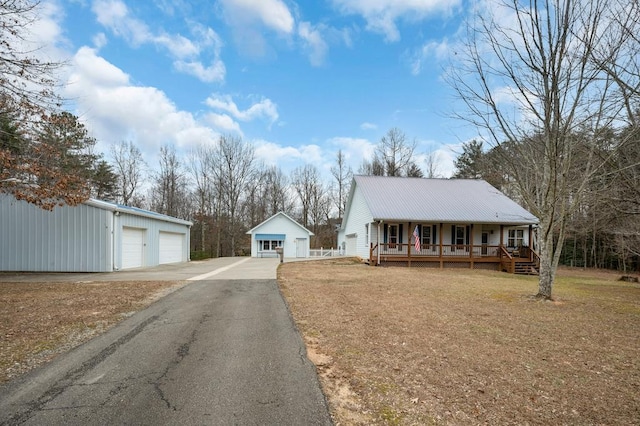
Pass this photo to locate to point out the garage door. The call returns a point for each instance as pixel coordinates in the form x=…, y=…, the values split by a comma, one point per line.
x=171, y=247
x=132, y=248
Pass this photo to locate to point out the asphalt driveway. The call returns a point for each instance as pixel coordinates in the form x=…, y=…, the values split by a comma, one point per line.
x=222, y=350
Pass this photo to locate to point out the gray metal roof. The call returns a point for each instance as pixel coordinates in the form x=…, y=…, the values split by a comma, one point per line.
x=439, y=200
x=107, y=205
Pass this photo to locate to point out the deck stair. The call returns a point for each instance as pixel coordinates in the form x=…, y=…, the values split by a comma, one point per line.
x=525, y=268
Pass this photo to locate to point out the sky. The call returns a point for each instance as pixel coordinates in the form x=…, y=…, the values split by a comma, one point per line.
x=299, y=80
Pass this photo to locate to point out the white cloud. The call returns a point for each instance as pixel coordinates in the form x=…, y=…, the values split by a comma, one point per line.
x=114, y=15
x=99, y=40
x=381, y=15
x=224, y=123
x=214, y=72
x=273, y=14
x=355, y=150
x=368, y=126
x=114, y=109
x=264, y=109
x=432, y=50
x=313, y=42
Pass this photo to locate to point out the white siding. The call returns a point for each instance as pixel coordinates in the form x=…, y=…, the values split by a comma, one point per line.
x=282, y=224
x=354, y=225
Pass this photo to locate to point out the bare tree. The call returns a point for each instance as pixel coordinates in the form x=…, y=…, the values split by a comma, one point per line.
x=130, y=168
x=199, y=167
x=305, y=179
x=342, y=175
x=432, y=161
x=393, y=156
x=395, y=152
x=28, y=80
x=233, y=167
x=539, y=54
x=277, y=193
x=169, y=193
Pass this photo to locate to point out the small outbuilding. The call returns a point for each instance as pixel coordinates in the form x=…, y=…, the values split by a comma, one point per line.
x=95, y=236
x=280, y=230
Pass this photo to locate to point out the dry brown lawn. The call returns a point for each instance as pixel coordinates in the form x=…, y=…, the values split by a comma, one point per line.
x=403, y=345
x=427, y=346
x=41, y=320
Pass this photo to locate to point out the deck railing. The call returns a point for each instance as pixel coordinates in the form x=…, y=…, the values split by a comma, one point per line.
x=435, y=250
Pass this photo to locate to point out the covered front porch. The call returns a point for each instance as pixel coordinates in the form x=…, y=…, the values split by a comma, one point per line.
x=474, y=246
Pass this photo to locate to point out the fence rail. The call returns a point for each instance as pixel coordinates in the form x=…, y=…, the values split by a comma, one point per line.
x=323, y=252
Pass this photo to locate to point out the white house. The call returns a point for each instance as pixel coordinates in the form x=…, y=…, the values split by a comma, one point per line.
x=437, y=222
x=280, y=230
x=95, y=236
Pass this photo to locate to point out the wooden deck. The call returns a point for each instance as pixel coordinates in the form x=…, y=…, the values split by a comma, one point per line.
x=512, y=260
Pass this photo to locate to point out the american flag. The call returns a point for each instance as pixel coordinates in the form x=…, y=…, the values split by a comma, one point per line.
x=417, y=237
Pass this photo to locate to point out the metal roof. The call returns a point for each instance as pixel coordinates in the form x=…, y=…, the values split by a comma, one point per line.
x=106, y=205
x=283, y=214
x=439, y=200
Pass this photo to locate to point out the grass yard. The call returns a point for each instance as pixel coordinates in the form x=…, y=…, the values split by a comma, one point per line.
x=428, y=346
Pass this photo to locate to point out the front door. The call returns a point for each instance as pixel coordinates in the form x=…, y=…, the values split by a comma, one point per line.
x=485, y=242
x=393, y=236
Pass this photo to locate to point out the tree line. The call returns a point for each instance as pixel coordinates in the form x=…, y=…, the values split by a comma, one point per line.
x=552, y=86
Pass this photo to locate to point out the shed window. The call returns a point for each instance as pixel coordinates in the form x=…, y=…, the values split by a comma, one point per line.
x=270, y=245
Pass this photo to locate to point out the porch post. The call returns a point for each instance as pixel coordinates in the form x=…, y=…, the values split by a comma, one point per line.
x=409, y=245
x=471, y=246
x=441, y=258
x=530, y=243
x=379, y=223
x=501, y=236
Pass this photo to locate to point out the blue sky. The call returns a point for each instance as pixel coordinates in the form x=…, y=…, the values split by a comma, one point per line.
x=299, y=80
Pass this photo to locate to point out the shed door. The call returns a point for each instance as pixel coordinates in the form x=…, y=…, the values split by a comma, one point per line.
x=352, y=247
x=132, y=248
x=301, y=247
x=171, y=247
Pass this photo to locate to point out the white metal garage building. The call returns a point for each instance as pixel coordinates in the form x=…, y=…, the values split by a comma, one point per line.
x=95, y=236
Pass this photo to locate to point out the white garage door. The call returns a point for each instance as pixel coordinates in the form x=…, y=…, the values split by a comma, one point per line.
x=171, y=247
x=132, y=248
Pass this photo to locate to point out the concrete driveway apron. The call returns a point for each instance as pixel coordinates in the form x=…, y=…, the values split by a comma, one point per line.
x=222, y=350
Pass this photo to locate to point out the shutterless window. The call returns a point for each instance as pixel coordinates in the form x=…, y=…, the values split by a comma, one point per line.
x=516, y=238
x=270, y=245
x=426, y=235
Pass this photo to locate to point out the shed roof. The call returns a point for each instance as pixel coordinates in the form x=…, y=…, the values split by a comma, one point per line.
x=439, y=200
x=252, y=230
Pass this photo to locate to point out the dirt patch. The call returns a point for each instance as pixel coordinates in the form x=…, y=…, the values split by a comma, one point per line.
x=423, y=346
x=41, y=320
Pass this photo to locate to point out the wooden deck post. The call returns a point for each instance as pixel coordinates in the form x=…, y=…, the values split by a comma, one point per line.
x=441, y=238
x=409, y=245
x=471, y=246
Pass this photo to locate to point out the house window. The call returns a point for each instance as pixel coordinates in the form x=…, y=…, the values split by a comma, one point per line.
x=426, y=236
x=393, y=236
x=460, y=235
x=516, y=238
x=366, y=234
